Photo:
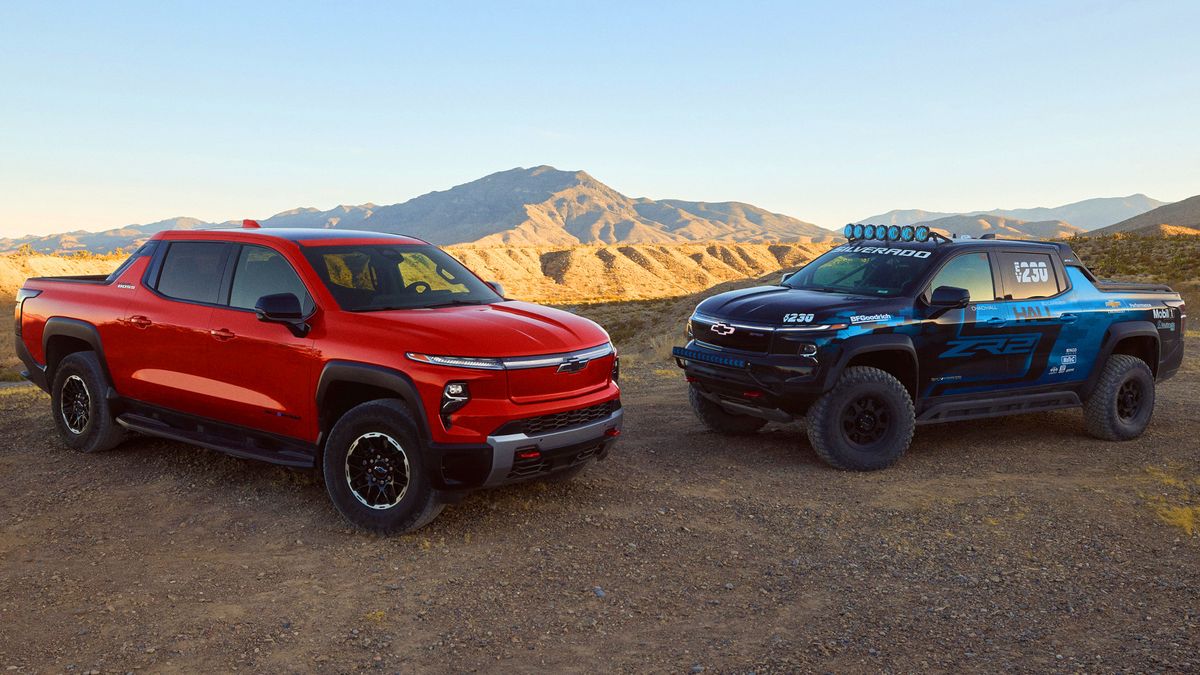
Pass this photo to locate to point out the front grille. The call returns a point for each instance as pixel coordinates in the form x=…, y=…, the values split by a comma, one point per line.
x=543, y=424
x=729, y=336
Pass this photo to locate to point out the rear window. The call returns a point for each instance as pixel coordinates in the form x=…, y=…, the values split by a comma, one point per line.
x=1028, y=275
x=192, y=271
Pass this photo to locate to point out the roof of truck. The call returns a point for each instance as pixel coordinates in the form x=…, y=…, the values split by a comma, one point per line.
x=301, y=235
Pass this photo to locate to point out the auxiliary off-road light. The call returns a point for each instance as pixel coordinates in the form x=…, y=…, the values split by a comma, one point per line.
x=893, y=233
x=848, y=231
x=858, y=231
x=455, y=395
x=868, y=232
x=806, y=349
x=921, y=233
x=906, y=233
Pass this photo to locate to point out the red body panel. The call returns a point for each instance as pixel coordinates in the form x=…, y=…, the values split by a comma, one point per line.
x=226, y=365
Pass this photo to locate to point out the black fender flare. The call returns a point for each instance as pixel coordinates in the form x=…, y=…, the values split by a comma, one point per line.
x=876, y=342
x=1117, y=332
x=354, y=372
x=61, y=326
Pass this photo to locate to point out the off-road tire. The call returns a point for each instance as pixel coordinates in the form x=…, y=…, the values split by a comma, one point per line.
x=859, y=388
x=79, y=378
x=376, y=424
x=1103, y=415
x=715, y=418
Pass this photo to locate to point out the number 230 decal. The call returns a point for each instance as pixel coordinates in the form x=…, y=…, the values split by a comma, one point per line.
x=797, y=318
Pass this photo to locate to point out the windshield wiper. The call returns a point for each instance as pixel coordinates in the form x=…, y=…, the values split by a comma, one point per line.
x=452, y=303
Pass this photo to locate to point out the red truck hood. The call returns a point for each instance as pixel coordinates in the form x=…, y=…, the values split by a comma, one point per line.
x=507, y=329
x=503, y=329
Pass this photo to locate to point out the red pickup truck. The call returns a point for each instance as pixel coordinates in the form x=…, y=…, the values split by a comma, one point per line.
x=376, y=358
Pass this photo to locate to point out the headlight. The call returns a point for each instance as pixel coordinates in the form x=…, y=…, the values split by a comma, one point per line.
x=458, y=361
x=455, y=395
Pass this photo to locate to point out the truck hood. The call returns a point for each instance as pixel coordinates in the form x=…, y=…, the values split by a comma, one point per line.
x=768, y=305
x=503, y=329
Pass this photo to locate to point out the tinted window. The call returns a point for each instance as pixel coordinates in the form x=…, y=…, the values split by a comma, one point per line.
x=1028, y=275
x=378, y=277
x=193, y=271
x=863, y=270
x=145, y=250
x=971, y=271
x=263, y=271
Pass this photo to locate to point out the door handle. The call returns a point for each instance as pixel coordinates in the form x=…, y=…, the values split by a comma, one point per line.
x=222, y=334
x=140, y=321
x=996, y=321
x=1068, y=318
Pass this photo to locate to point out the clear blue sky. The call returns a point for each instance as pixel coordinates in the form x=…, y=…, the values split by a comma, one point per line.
x=115, y=113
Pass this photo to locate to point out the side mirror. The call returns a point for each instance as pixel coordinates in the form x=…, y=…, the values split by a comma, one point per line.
x=786, y=276
x=282, y=308
x=950, y=297
x=495, y=286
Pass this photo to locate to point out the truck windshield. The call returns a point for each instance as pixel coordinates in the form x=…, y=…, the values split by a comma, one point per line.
x=376, y=277
x=863, y=270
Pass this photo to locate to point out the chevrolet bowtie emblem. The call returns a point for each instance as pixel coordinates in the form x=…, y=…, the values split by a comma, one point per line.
x=572, y=365
x=721, y=328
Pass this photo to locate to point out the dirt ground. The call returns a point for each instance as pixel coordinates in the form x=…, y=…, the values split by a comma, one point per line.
x=1012, y=544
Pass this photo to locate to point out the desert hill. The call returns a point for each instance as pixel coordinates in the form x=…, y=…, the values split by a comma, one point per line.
x=541, y=206
x=1007, y=228
x=540, y=274
x=1182, y=217
x=1088, y=214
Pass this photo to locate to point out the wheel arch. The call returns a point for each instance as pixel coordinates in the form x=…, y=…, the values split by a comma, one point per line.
x=889, y=352
x=345, y=384
x=64, y=336
x=1135, y=338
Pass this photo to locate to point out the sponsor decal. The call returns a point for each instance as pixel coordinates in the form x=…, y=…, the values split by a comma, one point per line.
x=721, y=328
x=1031, y=272
x=884, y=250
x=1069, y=359
x=797, y=318
x=128, y=287
x=986, y=308
x=998, y=345
x=1112, y=303
x=1139, y=305
x=1032, y=312
x=870, y=318
x=1165, y=325
x=1162, y=313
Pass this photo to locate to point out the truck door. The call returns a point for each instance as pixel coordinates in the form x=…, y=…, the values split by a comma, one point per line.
x=166, y=326
x=963, y=350
x=264, y=374
x=1032, y=282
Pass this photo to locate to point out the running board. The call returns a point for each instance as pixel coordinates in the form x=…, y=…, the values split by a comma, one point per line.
x=249, y=448
x=953, y=411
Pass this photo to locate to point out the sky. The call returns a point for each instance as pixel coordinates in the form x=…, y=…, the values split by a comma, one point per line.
x=116, y=113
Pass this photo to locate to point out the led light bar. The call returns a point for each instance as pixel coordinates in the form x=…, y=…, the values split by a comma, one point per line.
x=920, y=233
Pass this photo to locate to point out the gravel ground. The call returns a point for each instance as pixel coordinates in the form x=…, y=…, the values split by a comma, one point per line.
x=1012, y=544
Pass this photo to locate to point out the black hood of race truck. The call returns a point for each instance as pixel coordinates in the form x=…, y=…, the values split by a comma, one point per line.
x=768, y=305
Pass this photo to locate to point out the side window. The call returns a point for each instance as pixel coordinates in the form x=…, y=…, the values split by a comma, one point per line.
x=1028, y=275
x=263, y=271
x=193, y=271
x=971, y=271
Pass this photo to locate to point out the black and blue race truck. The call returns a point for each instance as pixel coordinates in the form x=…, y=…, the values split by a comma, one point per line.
x=902, y=326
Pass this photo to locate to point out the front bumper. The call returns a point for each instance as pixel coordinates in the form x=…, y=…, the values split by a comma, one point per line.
x=515, y=456
x=774, y=386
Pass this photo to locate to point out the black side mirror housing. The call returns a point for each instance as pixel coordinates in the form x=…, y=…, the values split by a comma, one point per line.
x=495, y=286
x=282, y=308
x=950, y=297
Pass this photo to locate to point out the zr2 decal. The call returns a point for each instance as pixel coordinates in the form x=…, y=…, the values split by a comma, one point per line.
x=998, y=345
x=797, y=318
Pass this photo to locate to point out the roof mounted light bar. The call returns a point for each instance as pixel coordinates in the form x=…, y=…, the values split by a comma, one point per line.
x=907, y=233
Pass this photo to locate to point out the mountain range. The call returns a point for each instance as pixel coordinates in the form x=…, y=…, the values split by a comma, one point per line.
x=540, y=206
x=1086, y=215
x=1181, y=217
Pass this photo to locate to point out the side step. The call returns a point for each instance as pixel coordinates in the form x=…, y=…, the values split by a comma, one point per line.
x=953, y=411
x=248, y=448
